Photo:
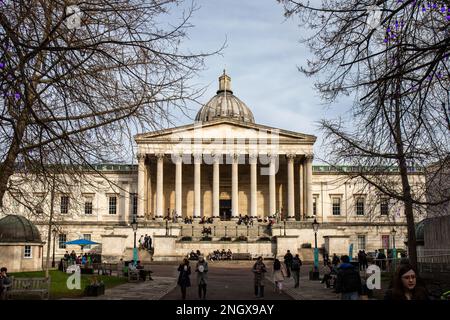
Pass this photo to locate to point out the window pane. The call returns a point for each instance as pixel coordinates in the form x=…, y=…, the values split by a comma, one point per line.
x=360, y=206
x=62, y=241
x=361, y=242
x=64, y=204
x=384, y=207
x=88, y=207
x=27, y=253
x=134, y=204
x=87, y=237
x=314, y=206
x=112, y=205
x=336, y=206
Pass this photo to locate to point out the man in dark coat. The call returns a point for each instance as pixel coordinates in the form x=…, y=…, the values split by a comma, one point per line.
x=184, y=280
x=348, y=281
x=288, y=262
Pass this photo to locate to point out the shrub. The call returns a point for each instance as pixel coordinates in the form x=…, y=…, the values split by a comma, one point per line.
x=206, y=239
x=306, y=245
x=263, y=239
x=241, y=238
x=186, y=239
x=225, y=239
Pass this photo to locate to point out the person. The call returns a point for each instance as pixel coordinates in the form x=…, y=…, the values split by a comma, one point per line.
x=365, y=263
x=184, y=280
x=66, y=256
x=335, y=260
x=278, y=275
x=5, y=281
x=295, y=267
x=327, y=274
x=404, y=259
x=259, y=270
x=405, y=286
x=348, y=281
x=288, y=262
x=202, y=277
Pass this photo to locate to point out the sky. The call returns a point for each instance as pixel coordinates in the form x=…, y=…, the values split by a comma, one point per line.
x=261, y=56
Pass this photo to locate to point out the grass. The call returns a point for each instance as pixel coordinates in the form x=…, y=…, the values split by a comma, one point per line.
x=58, y=286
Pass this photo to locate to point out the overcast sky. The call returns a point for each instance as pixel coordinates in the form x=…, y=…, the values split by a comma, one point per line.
x=261, y=57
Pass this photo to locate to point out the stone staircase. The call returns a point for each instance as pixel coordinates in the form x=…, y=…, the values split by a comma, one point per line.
x=225, y=228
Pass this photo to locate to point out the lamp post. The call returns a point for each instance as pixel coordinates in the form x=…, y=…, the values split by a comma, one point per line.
x=54, y=231
x=134, y=225
x=394, y=250
x=315, y=272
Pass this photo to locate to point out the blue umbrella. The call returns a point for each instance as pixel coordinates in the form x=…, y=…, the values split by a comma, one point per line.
x=81, y=242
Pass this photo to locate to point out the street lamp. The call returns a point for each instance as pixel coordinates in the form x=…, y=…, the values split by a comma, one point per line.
x=315, y=275
x=394, y=250
x=54, y=231
x=134, y=225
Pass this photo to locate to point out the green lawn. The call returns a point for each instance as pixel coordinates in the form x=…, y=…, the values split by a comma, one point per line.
x=59, y=288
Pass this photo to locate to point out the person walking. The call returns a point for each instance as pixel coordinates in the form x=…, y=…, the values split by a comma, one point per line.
x=202, y=276
x=288, y=262
x=259, y=270
x=184, y=280
x=348, y=281
x=405, y=286
x=279, y=272
x=295, y=267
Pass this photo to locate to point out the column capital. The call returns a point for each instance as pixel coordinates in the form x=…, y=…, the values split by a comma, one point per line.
x=253, y=158
x=290, y=156
x=141, y=156
x=160, y=156
x=198, y=157
x=272, y=156
x=177, y=158
x=309, y=156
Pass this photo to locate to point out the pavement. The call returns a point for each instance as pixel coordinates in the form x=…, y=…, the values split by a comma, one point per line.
x=227, y=280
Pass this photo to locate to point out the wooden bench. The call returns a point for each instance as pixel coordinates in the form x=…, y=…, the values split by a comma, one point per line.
x=133, y=275
x=39, y=286
x=241, y=256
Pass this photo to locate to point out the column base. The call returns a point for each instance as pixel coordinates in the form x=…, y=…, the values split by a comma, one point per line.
x=159, y=218
x=196, y=219
x=291, y=219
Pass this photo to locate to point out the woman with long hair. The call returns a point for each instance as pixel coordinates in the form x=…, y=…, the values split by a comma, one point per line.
x=405, y=286
x=278, y=275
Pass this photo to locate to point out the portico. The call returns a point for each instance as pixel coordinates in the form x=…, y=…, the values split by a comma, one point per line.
x=224, y=165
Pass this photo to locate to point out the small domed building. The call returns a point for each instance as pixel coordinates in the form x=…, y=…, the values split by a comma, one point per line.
x=21, y=247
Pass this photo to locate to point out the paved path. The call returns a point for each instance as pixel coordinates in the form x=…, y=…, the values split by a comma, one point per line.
x=226, y=281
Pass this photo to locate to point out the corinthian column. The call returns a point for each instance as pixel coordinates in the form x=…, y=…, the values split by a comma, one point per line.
x=272, y=174
x=308, y=185
x=234, y=187
x=142, y=196
x=253, y=185
x=197, y=181
x=178, y=186
x=291, y=198
x=159, y=186
x=216, y=186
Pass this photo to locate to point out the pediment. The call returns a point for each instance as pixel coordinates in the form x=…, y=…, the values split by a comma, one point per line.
x=224, y=129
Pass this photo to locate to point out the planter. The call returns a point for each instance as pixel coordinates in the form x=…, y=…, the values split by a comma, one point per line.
x=94, y=290
x=314, y=275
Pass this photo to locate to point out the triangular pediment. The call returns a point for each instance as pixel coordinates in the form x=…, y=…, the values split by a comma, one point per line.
x=224, y=129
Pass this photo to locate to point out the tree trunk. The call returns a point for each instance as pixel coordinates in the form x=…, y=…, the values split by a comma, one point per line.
x=50, y=228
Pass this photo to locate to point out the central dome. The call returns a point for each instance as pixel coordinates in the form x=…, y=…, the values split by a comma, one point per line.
x=224, y=105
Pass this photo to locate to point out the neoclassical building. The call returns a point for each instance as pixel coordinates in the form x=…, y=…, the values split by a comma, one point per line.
x=221, y=166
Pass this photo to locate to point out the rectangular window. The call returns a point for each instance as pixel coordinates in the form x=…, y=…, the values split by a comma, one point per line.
x=360, y=206
x=62, y=241
x=385, y=241
x=384, y=206
x=64, y=204
x=336, y=206
x=314, y=205
x=361, y=242
x=112, y=205
x=134, y=204
x=88, y=206
x=27, y=253
x=87, y=237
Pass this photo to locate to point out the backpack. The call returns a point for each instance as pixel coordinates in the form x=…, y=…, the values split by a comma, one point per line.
x=296, y=263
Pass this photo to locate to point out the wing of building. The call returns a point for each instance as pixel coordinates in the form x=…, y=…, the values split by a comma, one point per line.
x=224, y=166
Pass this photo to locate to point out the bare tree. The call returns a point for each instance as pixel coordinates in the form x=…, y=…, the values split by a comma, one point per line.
x=77, y=81
x=397, y=68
